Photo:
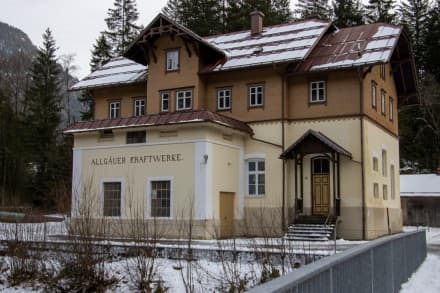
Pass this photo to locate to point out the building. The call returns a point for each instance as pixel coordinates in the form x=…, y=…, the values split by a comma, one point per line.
x=247, y=130
x=420, y=197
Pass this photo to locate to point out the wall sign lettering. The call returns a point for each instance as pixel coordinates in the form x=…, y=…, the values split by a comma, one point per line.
x=146, y=159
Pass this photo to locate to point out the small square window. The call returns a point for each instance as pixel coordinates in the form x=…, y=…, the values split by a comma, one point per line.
x=136, y=137
x=172, y=59
x=114, y=109
x=184, y=100
x=139, y=106
x=165, y=102
x=224, y=99
x=317, y=92
x=256, y=95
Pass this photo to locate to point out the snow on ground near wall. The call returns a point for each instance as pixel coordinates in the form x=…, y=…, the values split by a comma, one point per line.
x=426, y=278
x=432, y=233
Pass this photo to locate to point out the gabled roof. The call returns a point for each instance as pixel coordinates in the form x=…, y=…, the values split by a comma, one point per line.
x=158, y=120
x=159, y=25
x=117, y=71
x=280, y=43
x=354, y=46
x=313, y=142
x=420, y=185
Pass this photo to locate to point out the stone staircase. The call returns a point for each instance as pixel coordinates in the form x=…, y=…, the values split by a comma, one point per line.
x=312, y=228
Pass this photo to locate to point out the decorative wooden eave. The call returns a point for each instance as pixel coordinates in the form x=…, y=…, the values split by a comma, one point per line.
x=404, y=71
x=142, y=49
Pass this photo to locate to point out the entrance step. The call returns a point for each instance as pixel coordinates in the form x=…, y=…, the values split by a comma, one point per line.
x=309, y=232
x=312, y=228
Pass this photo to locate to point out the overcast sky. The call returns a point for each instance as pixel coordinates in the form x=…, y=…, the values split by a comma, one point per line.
x=75, y=23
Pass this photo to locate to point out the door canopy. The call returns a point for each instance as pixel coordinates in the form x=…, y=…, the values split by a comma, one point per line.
x=313, y=142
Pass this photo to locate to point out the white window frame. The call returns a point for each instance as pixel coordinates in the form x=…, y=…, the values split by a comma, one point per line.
x=114, y=109
x=224, y=94
x=172, y=60
x=184, y=98
x=164, y=96
x=139, y=103
x=382, y=102
x=256, y=173
x=148, y=209
x=374, y=95
x=254, y=92
x=320, y=85
x=101, y=196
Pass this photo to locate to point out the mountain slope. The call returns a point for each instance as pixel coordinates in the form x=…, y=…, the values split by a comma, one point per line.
x=13, y=41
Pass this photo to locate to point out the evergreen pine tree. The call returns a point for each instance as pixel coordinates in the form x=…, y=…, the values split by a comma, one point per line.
x=101, y=53
x=86, y=99
x=380, y=11
x=313, y=8
x=431, y=56
x=414, y=15
x=43, y=118
x=347, y=13
x=121, y=25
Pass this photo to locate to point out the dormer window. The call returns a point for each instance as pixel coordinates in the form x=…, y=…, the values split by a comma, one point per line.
x=172, y=60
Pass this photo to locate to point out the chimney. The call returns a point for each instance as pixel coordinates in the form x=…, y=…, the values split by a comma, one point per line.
x=256, y=22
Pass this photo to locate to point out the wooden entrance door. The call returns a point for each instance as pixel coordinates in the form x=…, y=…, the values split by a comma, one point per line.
x=320, y=186
x=226, y=214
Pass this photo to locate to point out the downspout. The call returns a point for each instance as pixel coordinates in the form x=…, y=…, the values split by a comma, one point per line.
x=283, y=212
x=361, y=112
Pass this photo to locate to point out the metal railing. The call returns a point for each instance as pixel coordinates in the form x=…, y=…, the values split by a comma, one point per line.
x=382, y=265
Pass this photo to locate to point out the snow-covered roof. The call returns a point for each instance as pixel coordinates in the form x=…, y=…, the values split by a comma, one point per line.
x=354, y=46
x=281, y=43
x=117, y=71
x=420, y=185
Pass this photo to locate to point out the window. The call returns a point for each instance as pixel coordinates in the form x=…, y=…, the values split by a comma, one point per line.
x=256, y=94
x=385, y=192
x=161, y=198
x=393, y=183
x=382, y=99
x=112, y=199
x=139, y=106
x=165, y=102
x=224, y=99
x=375, y=164
x=136, y=137
x=172, y=59
x=391, y=109
x=106, y=133
x=384, y=162
x=317, y=91
x=256, y=177
x=376, y=190
x=184, y=100
x=374, y=95
x=114, y=109
x=382, y=71
x=320, y=166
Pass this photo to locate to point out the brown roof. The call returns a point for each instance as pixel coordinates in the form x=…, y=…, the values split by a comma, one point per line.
x=159, y=119
x=354, y=46
x=317, y=137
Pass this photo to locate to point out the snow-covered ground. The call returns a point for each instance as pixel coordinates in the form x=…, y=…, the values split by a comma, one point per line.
x=426, y=278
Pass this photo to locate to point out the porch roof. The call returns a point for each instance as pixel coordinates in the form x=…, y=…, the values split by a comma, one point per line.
x=313, y=142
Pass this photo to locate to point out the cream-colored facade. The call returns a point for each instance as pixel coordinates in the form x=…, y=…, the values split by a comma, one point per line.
x=209, y=166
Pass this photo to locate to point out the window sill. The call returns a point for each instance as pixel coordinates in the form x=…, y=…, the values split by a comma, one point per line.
x=172, y=70
x=224, y=110
x=256, y=196
x=317, y=102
